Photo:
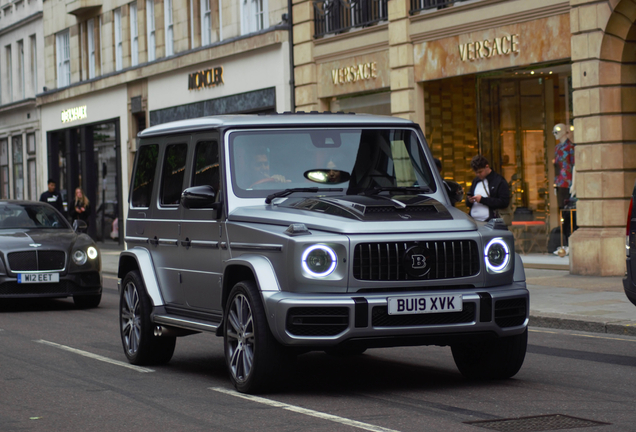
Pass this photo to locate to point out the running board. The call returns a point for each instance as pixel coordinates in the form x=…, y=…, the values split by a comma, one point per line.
x=173, y=321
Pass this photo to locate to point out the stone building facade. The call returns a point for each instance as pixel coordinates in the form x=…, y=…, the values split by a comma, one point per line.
x=113, y=68
x=21, y=77
x=495, y=77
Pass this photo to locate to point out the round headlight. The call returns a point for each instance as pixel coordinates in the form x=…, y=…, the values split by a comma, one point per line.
x=319, y=260
x=91, y=252
x=497, y=254
x=79, y=257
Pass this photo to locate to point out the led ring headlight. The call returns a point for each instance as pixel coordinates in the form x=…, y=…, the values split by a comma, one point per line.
x=91, y=252
x=497, y=254
x=319, y=260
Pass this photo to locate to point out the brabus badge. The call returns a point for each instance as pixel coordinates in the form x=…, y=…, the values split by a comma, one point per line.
x=417, y=261
x=35, y=245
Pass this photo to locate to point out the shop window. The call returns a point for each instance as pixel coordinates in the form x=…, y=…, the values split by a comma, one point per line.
x=167, y=4
x=134, y=35
x=150, y=29
x=173, y=174
x=144, y=175
x=18, y=168
x=31, y=168
x=63, y=56
x=206, y=170
x=119, y=53
x=90, y=29
x=206, y=23
x=4, y=168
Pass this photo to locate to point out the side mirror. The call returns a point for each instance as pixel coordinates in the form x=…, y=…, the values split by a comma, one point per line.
x=455, y=191
x=79, y=226
x=199, y=197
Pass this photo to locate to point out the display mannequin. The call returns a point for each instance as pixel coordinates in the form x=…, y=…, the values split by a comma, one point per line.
x=563, y=164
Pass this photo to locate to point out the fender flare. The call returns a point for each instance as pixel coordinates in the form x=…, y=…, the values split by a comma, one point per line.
x=145, y=266
x=261, y=267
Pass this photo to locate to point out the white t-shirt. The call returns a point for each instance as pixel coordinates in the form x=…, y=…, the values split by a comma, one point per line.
x=480, y=211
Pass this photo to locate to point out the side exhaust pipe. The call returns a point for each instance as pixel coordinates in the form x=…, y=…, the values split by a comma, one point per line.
x=164, y=331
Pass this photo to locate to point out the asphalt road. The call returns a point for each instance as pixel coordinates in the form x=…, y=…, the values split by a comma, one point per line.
x=63, y=369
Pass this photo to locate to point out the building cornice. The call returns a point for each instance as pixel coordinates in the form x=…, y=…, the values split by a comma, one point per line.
x=22, y=22
x=187, y=59
x=485, y=24
x=24, y=103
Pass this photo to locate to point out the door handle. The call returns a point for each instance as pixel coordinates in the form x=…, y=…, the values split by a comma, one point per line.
x=153, y=241
x=186, y=243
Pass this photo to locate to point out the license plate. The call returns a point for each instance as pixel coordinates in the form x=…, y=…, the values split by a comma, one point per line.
x=420, y=304
x=38, y=277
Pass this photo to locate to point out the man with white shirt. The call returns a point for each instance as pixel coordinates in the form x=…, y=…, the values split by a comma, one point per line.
x=488, y=192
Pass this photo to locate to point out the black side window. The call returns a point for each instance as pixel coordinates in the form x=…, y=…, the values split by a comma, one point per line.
x=173, y=171
x=206, y=159
x=144, y=175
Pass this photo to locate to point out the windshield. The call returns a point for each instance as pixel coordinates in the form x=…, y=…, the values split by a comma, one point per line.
x=356, y=160
x=14, y=216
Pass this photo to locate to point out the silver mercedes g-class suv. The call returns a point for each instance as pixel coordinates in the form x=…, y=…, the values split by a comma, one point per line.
x=289, y=233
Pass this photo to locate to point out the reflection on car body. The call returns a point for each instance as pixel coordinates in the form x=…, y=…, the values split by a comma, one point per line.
x=41, y=255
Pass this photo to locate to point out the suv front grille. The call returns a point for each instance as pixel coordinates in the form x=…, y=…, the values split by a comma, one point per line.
x=381, y=317
x=36, y=260
x=317, y=321
x=383, y=261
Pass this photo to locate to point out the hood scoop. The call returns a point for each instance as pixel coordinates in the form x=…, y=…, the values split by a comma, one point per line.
x=374, y=208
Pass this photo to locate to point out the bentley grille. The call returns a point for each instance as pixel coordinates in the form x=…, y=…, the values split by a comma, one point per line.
x=385, y=261
x=37, y=260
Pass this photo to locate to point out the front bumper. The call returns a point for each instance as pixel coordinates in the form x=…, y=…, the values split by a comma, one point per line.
x=309, y=320
x=84, y=283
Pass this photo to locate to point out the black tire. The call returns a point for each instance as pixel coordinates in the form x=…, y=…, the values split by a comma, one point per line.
x=493, y=359
x=254, y=358
x=140, y=344
x=87, y=301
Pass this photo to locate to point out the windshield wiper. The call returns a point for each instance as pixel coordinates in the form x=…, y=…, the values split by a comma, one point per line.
x=407, y=189
x=287, y=192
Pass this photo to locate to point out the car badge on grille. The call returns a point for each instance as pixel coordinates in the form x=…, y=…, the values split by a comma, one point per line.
x=35, y=245
x=417, y=261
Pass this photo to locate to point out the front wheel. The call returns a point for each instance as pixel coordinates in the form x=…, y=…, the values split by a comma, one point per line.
x=254, y=358
x=141, y=346
x=493, y=359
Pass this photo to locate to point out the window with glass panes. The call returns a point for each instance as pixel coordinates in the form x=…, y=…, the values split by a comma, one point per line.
x=150, y=29
x=63, y=56
x=167, y=4
x=134, y=35
x=119, y=53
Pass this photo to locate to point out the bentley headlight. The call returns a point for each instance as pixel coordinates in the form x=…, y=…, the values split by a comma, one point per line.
x=79, y=257
x=319, y=260
x=91, y=252
x=497, y=255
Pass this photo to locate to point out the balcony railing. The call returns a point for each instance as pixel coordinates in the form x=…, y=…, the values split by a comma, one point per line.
x=337, y=16
x=420, y=5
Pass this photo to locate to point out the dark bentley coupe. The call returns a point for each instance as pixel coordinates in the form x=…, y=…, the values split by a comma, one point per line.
x=42, y=255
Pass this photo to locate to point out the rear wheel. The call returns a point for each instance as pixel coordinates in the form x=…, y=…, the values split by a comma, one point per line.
x=254, y=358
x=141, y=346
x=493, y=359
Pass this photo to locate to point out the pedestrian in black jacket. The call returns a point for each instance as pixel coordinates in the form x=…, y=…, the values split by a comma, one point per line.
x=53, y=197
x=489, y=191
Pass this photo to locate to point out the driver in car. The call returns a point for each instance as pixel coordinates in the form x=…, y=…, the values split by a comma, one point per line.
x=261, y=170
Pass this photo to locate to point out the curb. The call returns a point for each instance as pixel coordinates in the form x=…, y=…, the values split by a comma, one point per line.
x=624, y=328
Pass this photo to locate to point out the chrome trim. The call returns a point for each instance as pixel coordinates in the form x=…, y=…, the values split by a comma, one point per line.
x=257, y=246
x=168, y=242
x=140, y=240
x=204, y=244
x=60, y=271
x=184, y=323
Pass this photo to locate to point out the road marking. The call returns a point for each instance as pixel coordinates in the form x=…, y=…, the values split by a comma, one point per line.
x=95, y=356
x=304, y=411
x=585, y=335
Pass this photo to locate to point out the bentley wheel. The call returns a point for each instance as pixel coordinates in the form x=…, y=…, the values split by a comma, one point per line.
x=253, y=357
x=141, y=346
x=494, y=359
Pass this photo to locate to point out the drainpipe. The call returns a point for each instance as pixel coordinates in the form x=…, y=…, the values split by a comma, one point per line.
x=292, y=84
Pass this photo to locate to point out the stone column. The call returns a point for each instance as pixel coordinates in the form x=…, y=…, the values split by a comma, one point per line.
x=304, y=64
x=604, y=132
x=407, y=98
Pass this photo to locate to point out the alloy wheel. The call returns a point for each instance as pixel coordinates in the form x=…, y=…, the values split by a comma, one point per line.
x=131, y=318
x=240, y=338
